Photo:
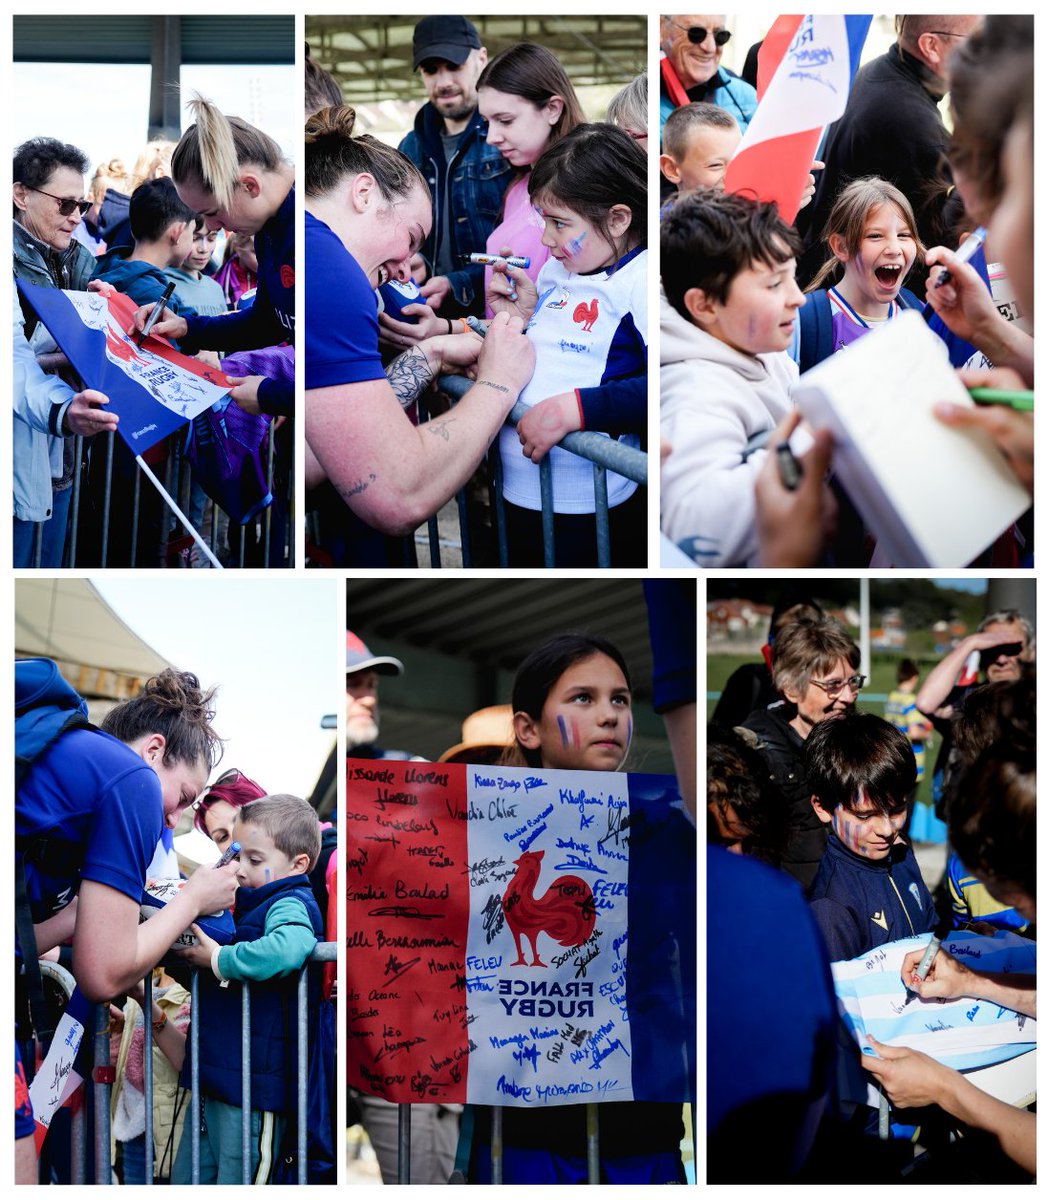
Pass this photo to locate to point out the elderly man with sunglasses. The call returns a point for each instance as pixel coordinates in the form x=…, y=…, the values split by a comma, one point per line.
x=692, y=49
x=48, y=198
x=815, y=671
x=1003, y=642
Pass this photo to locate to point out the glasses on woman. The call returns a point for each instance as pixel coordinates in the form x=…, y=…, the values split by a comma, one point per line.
x=224, y=780
x=834, y=687
x=66, y=205
x=697, y=34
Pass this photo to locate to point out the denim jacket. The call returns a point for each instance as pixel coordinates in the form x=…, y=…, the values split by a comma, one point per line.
x=474, y=180
x=40, y=400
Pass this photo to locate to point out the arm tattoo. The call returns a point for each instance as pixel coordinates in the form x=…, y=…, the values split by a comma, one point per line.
x=347, y=493
x=408, y=374
x=440, y=428
x=487, y=383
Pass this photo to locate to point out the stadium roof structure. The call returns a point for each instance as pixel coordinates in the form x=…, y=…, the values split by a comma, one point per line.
x=165, y=42
x=461, y=641
x=370, y=57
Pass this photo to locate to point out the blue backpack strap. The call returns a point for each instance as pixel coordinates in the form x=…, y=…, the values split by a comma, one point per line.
x=816, y=317
x=45, y=707
x=908, y=300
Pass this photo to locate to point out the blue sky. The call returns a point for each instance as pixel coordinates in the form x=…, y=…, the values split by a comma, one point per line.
x=976, y=586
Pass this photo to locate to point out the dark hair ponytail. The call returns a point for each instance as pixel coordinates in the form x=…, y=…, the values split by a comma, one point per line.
x=172, y=704
x=332, y=152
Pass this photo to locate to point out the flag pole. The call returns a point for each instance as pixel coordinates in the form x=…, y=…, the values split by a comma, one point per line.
x=190, y=528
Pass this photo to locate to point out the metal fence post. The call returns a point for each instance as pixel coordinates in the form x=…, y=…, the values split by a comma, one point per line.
x=592, y=1144
x=546, y=493
x=107, y=497
x=600, y=512
x=496, y=1145
x=102, y=1082
x=403, y=1143
x=196, y=1101
x=147, y=1070
x=74, y=500
x=303, y=1065
x=245, y=1083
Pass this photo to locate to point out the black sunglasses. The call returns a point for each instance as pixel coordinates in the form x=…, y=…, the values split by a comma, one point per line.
x=65, y=205
x=697, y=34
x=1006, y=650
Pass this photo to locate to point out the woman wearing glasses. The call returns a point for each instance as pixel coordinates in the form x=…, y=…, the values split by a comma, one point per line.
x=691, y=69
x=48, y=199
x=815, y=672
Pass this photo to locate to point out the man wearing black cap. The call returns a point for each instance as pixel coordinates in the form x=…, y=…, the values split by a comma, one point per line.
x=362, y=671
x=466, y=176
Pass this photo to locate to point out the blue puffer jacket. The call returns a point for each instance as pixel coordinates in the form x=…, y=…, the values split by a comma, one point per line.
x=725, y=90
x=473, y=183
x=274, y=1021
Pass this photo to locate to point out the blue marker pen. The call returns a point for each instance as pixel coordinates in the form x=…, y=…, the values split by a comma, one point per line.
x=232, y=850
x=489, y=260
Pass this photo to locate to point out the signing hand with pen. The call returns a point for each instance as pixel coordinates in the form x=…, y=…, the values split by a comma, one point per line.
x=794, y=526
x=168, y=325
x=946, y=979
x=1010, y=431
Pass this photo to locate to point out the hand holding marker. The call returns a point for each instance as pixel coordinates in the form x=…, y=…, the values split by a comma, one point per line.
x=512, y=260
x=158, y=308
x=231, y=851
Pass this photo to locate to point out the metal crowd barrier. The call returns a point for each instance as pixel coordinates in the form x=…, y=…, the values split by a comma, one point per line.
x=603, y=452
x=90, y=531
x=103, y=1079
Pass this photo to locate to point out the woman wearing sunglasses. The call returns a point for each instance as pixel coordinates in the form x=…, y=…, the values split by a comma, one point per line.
x=815, y=672
x=692, y=71
x=48, y=199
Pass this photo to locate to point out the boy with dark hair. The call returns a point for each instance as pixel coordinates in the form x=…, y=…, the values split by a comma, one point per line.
x=868, y=889
x=727, y=268
x=278, y=924
x=193, y=288
x=163, y=229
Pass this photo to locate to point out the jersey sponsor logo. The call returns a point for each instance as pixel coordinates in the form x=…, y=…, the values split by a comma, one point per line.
x=916, y=894
x=878, y=918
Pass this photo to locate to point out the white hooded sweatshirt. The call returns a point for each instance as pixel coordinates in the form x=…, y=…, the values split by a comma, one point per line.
x=714, y=399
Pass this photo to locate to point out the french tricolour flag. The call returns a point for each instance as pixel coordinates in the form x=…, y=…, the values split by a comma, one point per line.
x=518, y=937
x=152, y=388
x=804, y=72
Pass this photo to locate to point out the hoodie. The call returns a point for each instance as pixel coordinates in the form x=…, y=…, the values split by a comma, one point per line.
x=714, y=400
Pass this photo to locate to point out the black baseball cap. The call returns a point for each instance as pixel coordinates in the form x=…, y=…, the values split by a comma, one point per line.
x=446, y=37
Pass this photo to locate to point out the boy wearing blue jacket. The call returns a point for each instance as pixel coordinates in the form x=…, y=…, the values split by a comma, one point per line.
x=278, y=924
x=868, y=889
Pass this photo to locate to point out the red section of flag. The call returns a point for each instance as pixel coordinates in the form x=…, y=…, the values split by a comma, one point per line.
x=776, y=43
x=124, y=308
x=407, y=917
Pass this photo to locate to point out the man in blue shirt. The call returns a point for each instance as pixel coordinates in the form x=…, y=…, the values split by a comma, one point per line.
x=466, y=176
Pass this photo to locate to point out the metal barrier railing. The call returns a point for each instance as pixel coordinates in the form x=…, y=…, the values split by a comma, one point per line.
x=103, y=1078
x=113, y=532
x=606, y=454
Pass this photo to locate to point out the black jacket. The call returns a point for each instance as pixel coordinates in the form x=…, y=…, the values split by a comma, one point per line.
x=783, y=750
x=859, y=905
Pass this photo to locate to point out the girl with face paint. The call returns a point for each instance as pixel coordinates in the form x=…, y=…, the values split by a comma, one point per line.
x=572, y=710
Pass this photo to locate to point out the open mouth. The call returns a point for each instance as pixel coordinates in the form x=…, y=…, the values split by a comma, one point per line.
x=889, y=275
x=383, y=276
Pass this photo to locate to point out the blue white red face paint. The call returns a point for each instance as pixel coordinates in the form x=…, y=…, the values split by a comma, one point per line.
x=575, y=245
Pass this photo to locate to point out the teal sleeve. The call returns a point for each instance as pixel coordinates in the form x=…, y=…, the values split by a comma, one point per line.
x=284, y=947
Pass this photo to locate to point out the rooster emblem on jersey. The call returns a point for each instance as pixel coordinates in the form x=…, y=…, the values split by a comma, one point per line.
x=585, y=315
x=565, y=911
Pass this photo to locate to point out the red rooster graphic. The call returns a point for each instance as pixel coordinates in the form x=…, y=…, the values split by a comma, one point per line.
x=565, y=911
x=585, y=315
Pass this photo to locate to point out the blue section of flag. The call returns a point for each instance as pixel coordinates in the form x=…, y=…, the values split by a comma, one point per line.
x=661, y=965
x=960, y=351
x=857, y=28
x=143, y=422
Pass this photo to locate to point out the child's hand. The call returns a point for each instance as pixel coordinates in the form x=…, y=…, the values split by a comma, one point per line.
x=436, y=291
x=245, y=394
x=545, y=423
x=793, y=527
x=511, y=291
x=402, y=334
x=200, y=954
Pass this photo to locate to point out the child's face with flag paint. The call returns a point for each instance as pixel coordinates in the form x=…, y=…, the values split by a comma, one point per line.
x=586, y=722
x=576, y=243
x=866, y=828
x=260, y=861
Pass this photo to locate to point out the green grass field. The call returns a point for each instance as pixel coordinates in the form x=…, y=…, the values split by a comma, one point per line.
x=880, y=683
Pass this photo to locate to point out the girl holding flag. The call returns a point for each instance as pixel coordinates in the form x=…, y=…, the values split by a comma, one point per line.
x=572, y=710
